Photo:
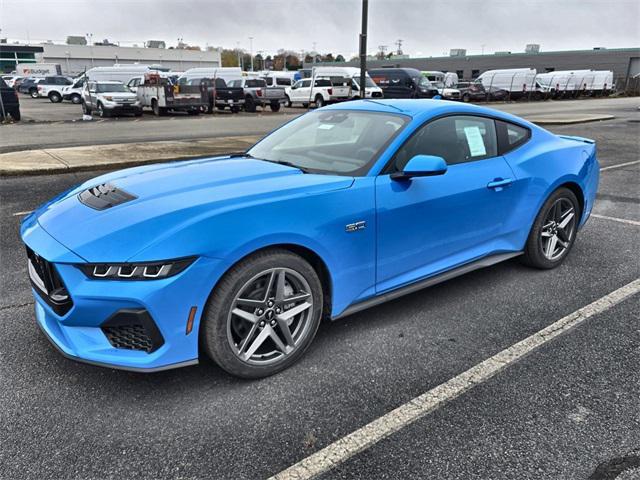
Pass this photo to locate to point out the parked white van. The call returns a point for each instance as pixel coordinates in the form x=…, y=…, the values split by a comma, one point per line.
x=439, y=80
x=573, y=82
x=226, y=73
x=518, y=81
x=120, y=72
x=353, y=74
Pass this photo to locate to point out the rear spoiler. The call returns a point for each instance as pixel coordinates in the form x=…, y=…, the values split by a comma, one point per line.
x=578, y=139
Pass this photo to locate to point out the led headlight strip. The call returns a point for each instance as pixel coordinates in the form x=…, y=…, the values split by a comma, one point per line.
x=135, y=271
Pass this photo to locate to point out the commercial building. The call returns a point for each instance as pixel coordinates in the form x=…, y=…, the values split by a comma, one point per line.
x=74, y=59
x=624, y=62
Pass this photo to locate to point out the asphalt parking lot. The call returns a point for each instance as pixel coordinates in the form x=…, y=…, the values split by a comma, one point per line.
x=568, y=410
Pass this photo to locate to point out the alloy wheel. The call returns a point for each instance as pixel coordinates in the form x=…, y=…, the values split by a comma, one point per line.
x=558, y=229
x=270, y=316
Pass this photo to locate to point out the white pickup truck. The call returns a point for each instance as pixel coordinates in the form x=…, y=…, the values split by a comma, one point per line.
x=323, y=92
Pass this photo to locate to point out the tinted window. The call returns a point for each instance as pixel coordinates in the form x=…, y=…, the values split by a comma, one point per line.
x=220, y=83
x=255, y=83
x=268, y=81
x=235, y=83
x=457, y=139
x=283, y=81
x=306, y=83
x=511, y=136
x=323, y=82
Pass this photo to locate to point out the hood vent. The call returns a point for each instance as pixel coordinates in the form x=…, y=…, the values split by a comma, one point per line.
x=104, y=196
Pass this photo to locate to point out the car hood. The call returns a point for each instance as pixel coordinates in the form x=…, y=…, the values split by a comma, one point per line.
x=169, y=197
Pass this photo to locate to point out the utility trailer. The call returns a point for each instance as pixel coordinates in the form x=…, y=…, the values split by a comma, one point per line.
x=159, y=94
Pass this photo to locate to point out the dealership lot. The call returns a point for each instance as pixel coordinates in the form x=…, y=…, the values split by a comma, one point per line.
x=560, y=412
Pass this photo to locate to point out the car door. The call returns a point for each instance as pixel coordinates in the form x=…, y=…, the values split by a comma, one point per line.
x=430, y=224
x=303, y=91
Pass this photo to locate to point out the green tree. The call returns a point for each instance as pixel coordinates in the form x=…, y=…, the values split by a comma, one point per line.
x=340, y=58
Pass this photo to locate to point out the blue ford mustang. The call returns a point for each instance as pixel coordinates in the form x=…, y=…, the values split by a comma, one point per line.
x=240, y=257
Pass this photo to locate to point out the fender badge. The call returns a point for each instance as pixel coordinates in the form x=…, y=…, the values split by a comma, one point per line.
x=353, y=227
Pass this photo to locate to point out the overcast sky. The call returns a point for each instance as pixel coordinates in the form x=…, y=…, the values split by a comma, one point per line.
x=427, y=27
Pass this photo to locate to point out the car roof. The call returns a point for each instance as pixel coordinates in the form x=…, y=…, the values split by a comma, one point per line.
x=107, y=82
x=425, y=108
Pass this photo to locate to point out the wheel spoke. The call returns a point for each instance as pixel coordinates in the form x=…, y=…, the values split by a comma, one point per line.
x=248, y=316
x=262, y=336
x=248, y=338
x=562, y=235
x=557, y=209
x=297, y=298
x=551, y=246
x=267, y=291
x=280, y=286
x=294, y=311
x=562, y=243
x=248, y=302
x=276, y=339
x=546, y=234
x=568, y=215
x=286, y=332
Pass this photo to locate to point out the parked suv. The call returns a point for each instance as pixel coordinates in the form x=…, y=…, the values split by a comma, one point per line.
x=256, y=93
x=477, y=92
x=10, y=103
x=52, y=87
x=108, y=98
x=29, y=86
x=403, y=83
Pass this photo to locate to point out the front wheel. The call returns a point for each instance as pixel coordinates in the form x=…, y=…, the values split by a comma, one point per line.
x=263, y=314
x=554, y=230
x=249, y=104
x=55, y=97
x=76, y=99
x=289, y=104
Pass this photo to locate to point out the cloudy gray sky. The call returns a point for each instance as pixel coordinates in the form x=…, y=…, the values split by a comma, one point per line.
x=427, y=27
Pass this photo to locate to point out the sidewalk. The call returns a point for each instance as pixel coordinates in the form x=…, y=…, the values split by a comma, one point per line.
x=120, y=155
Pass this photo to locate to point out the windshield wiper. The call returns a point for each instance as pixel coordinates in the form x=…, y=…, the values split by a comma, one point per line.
x=240, y=155
x=279, y=162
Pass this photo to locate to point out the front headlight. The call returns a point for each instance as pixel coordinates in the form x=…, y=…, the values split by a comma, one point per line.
x=108, y=98
x=135, y=271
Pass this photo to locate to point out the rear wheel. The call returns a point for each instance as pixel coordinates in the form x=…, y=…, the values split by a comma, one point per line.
x=554, y=230
x=275, y=106
x=263, y=314
x=158, y=111
x=319, y=101
x=249, y=104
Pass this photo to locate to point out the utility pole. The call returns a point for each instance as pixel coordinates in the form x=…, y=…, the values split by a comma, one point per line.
x=238, y=52
x=363, y=48
x=251, y=51
x=399, y=44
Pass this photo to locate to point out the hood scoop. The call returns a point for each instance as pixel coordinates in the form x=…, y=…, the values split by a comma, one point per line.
x=104, y=196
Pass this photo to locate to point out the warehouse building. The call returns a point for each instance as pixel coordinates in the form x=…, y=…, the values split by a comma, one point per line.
x=74, y=59
x=624, y=62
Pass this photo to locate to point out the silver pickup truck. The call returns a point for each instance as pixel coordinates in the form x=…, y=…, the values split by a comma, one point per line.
x=257, y=93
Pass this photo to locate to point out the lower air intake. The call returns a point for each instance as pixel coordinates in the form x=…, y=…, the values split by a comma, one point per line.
x=133, y=330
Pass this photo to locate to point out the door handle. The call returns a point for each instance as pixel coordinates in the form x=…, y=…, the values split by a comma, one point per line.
x=499, y=183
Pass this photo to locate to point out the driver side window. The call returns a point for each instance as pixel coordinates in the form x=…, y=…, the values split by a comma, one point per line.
x=457, y=139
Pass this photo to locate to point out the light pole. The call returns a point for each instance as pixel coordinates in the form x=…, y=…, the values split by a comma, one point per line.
x=251, y=51
x=90, y=38
x=238, y=52
x=363, y=48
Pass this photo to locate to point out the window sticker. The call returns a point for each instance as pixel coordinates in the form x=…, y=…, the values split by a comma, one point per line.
x=475, y=142
x=326, y=126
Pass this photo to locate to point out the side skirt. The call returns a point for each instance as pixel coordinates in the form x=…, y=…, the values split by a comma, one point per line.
x=427, y=282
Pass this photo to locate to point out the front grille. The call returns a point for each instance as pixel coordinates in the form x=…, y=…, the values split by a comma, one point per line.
x=48, y=284
x=104, y=196
x=376, y=94
x=133, y=330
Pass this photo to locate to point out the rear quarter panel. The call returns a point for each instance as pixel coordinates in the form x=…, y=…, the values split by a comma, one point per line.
x=541, y=166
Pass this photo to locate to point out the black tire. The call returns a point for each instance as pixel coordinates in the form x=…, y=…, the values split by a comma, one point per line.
x=319, y=101
x=305, y=105
x=33, y=92
x=533, y=252
x=75, y=99
x=85, y=109
x=55, y=97
x=249, y=104
x=275, y=106
x=138, y=113
x=289, y=103
x=158, y=111
x=235, y=109
x=466, y=98
x=15, y=114
x=100, y=110
x=214, y=333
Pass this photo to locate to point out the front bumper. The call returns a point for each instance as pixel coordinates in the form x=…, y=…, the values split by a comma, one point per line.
x=81, y=333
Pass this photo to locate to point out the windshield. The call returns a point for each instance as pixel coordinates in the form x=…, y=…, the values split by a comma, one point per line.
x=335, y=142
x=424, y=82
x=367, y=81
x=111, y=87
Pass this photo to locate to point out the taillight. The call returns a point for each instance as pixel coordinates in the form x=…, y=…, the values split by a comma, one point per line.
x=259, y=93
x=330, y=91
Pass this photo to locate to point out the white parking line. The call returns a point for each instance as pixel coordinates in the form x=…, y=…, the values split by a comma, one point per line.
x=21, y=214
x=363, y=438
x=615, y=219
x=620, y=165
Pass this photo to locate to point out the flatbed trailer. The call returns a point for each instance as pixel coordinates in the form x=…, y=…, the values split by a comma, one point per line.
x=161, y=96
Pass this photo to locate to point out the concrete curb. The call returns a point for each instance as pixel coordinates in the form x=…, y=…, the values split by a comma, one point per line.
x=121, y=155
x=567, y=119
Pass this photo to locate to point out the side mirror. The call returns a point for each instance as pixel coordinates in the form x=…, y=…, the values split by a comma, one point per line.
x=421, y=166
